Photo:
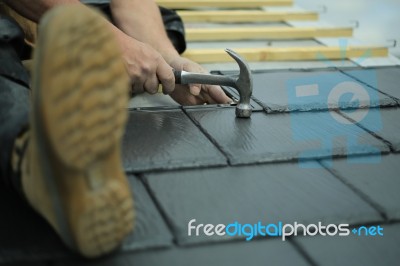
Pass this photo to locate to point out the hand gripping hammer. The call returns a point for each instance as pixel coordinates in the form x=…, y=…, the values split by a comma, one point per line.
x=242, y=83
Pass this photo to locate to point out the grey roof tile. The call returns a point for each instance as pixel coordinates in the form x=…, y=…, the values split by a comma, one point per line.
x=355, y=250
x=234, y=94
x=248, y=194
x=312, y=90
x=386, y=123
x=150, y=229
x=284, y=136
x=378, y=179
x=146, y=100
x=166, y=139
x=275, y=252
x=24, y=236
x=386, y=80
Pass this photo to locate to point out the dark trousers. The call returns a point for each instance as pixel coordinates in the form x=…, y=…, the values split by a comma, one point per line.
x=14, y=94
x=15, y=89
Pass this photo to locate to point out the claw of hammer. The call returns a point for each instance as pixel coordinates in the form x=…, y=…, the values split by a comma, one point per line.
x=242, y=83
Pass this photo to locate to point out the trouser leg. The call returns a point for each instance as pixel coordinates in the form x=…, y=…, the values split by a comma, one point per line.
x=172, y=22
x=14, y=97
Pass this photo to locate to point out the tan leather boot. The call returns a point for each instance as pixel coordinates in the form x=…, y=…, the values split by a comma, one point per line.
x=72, y=173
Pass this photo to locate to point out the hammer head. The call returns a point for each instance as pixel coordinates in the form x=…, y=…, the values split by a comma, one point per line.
x=244, y=85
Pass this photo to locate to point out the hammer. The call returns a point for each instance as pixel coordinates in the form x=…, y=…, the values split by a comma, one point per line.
x=242, y=83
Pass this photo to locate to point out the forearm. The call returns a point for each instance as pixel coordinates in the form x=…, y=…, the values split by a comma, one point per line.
x=34, y=10
x=141, y=20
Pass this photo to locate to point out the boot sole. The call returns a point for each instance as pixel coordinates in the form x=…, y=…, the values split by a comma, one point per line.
x=80, y=98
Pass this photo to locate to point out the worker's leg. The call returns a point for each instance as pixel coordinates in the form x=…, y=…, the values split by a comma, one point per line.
x=71, y=172
x=28, y=27
x=172, y=22
x=14, y=98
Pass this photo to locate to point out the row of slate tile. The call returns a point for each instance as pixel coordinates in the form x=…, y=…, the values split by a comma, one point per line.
x=315, y=89
x=174, y=139
x=348, y=193
x=274, y=137
x=351, y=191
x=212, y=137
x=358, y=194
x=319, y=250
x=318, y=89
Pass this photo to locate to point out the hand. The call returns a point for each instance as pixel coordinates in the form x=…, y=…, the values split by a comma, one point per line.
x=147, y=68
x=195, y=94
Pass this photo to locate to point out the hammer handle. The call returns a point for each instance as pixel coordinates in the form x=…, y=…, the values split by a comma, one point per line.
x=183, y=77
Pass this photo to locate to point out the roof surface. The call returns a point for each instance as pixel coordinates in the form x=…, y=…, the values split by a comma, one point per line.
x=305, y=156
x=203, y=163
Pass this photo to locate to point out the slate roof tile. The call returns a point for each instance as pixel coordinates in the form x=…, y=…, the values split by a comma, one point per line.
x=386, y=125
x=233, y=93
x=387, y=79
x=275, y=252
x=377, y=178
x=164, y=140
x=283, y=136
x=150, y=229
x=305, y=90
x=248, y=194
x=355, y=250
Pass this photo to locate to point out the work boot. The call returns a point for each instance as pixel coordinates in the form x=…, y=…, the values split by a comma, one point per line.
x=72, y=172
